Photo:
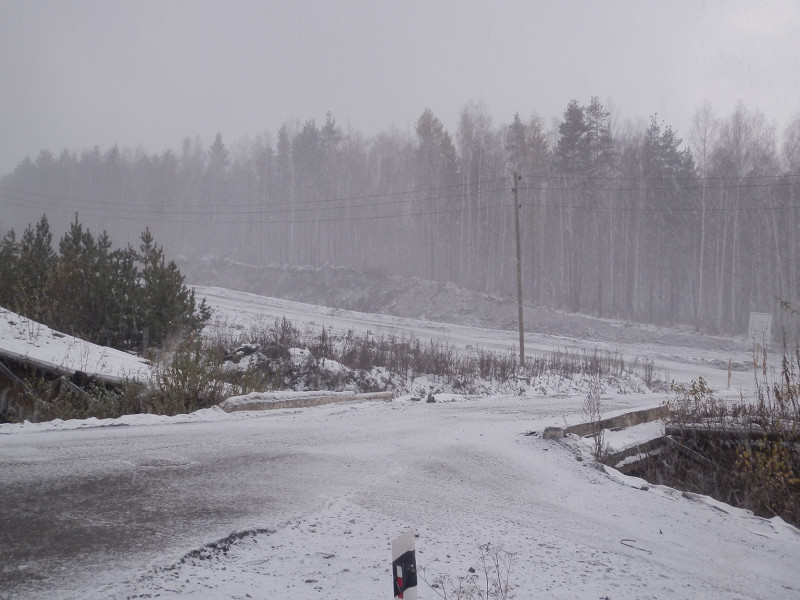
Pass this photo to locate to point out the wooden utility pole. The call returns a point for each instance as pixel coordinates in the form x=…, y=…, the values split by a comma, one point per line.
x=517, y=178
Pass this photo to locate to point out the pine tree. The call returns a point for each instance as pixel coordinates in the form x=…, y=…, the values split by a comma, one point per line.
x=9, y=268
x=517, y=145
x=437, y=167
x=93, y=292
x=35, y=262
x=70, y=285
x=167, y=305
x=572, y=150
x=125, y=313
x=600, y=145
x=219, y=161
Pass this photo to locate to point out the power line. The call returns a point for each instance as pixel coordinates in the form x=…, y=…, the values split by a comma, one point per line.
x=664, y=178
x=117, y=211
x=175, y=217
x=663, y=208
x=310, y=205
x=584, y=187
x=293, y=203
x=178, y=213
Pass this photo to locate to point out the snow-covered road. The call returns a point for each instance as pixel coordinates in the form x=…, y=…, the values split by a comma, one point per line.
x=91, y=502
x=109, y=512
x=121, y=510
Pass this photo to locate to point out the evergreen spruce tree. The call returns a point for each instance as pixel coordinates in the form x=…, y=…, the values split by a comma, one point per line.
x=9, y=268
x=35, y=262
x=517, y=145
x=70, y=286
x=95, y=293
x=126, y=312
x=572, y=150
x=600, y=145
x=168, y=305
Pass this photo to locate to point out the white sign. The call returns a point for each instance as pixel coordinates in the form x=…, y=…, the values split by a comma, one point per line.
x=404, y=567
x=760, y=330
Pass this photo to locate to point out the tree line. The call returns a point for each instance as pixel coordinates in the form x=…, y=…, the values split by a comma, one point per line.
x=124, y=298
x=622, y=220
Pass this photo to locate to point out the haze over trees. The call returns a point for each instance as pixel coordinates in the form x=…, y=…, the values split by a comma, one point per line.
x=631, y=221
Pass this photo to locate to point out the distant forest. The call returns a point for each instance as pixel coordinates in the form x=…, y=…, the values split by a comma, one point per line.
x=624, y=220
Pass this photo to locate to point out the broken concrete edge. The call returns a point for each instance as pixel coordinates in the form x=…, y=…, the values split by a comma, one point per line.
x=628, y=457
x=302, y=400
x=628, y=419
x=553, y=433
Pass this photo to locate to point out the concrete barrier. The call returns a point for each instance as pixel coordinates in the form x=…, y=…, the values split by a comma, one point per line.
x=620, y=421
x=276, y=400
x=638, y=452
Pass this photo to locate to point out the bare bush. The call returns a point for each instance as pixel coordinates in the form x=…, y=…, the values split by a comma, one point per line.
x=746, y=453
x=60, y=398
x=491, y=582
x=648, y=371
x=186, y=376
x=593, y=412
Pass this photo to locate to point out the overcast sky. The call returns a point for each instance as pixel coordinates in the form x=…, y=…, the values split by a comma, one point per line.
x=78, y=73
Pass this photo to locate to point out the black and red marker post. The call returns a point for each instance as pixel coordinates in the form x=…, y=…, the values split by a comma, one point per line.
x=404, y=567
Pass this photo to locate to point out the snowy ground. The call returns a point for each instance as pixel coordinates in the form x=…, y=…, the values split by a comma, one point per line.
x=26, y=340
x=575, y=531
x=677, y=356
x=354, y=476
x=459, y=474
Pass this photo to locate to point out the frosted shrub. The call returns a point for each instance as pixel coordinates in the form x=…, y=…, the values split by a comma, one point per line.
x=186, y=377
x=745, y=453
x=593, y=411
x=491, y=581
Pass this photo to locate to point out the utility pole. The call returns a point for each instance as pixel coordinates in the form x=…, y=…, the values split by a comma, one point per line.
x=518, y=178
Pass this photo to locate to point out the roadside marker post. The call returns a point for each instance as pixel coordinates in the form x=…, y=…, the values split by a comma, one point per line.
x=404, y=567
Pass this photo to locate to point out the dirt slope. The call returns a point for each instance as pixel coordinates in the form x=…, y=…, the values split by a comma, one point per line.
x=345, y=288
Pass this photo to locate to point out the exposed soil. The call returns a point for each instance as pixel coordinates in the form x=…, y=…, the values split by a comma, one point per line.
x=411, y=297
